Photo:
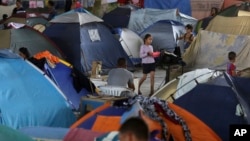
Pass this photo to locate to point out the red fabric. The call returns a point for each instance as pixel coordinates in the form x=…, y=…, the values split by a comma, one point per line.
x=139, y=4
x=123, y=1
x=230, y=68
x=80, y=134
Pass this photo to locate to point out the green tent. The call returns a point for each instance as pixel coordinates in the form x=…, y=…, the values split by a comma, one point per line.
x=9, y=134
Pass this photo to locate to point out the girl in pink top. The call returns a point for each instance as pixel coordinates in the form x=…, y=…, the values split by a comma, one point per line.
x=148, y=62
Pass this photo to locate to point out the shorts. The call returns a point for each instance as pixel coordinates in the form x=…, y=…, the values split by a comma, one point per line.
x=147, y=68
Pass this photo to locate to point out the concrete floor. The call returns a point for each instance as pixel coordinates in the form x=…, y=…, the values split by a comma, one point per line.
x=160, y=75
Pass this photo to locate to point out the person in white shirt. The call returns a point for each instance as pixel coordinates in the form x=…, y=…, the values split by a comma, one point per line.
x=120, y=76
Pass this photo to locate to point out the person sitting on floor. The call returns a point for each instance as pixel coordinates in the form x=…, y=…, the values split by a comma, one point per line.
x=120, y=76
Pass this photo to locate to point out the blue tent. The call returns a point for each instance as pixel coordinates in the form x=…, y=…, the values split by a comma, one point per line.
x=28, y=97
x=216, y=104
x=62, y=76
x=119, y=17
x=164, y=34
x=84, y=38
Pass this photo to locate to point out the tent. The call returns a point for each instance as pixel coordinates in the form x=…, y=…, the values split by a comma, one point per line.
x=29, y=38
x=218, y=106
x=141, y=19
x=165, y=34
x=131, y=43
x=210, y=50
x=184, y=83
x=234, y=10
x=238, y=25
x=28, y=97
x=119, y=17
x=84, y=39
x=9, y=134
x=6, y=9
x=62, y=75
x=241, y=9
x=108, y=118
x=59, y=134
x=37, y=21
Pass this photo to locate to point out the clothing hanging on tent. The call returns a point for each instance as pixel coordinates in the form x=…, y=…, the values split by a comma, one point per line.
x=152, y=106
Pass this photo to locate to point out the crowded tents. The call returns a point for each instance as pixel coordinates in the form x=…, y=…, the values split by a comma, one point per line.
x=89, y=70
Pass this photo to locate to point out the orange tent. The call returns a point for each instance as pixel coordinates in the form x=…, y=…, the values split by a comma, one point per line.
x=199, y=130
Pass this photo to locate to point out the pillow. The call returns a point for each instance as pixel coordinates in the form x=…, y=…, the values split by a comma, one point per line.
x=106, y=123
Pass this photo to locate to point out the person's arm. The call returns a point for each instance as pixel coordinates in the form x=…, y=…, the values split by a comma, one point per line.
x=191, y=38
x=180, y=38
x=143, y=53
x=131, y=84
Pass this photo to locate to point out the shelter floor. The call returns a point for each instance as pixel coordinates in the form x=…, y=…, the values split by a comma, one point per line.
x=160, y=74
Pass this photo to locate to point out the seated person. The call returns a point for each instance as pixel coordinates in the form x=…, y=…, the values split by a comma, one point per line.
x=18, y=7
x=134, y=129
x=120, y=76
x=24, y=53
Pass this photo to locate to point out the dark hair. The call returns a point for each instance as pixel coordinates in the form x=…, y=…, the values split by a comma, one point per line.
x=189, y=26
x=121, y=62
x=25, y=51
x=231, y=55
x=146, y=37
x=51, y=3
x=5, y=16
x=137, y=127
x=215, y=9
x=20, y=1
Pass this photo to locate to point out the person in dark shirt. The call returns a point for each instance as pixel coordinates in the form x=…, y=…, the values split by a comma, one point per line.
x=18, y=7
x=68, y=4
x=24, y=53
x=52, y=10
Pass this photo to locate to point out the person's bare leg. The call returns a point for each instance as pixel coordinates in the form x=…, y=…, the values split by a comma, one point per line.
x=141, y=81
x=152, y=82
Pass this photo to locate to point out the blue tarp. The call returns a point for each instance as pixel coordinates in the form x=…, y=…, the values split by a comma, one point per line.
x=184, y=6
x=28, y=98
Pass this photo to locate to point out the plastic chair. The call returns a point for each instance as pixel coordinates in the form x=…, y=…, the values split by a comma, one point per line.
x=116, y=91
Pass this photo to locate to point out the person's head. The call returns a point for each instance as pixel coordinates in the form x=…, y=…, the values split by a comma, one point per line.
x=148, y=39
x=51, y=4
x=189, y=28
x=121, y=62
x=24, y=52
x=134, y=129
x=231, y=56
x=5, y=16
x=18, y=3
x=214, y=11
